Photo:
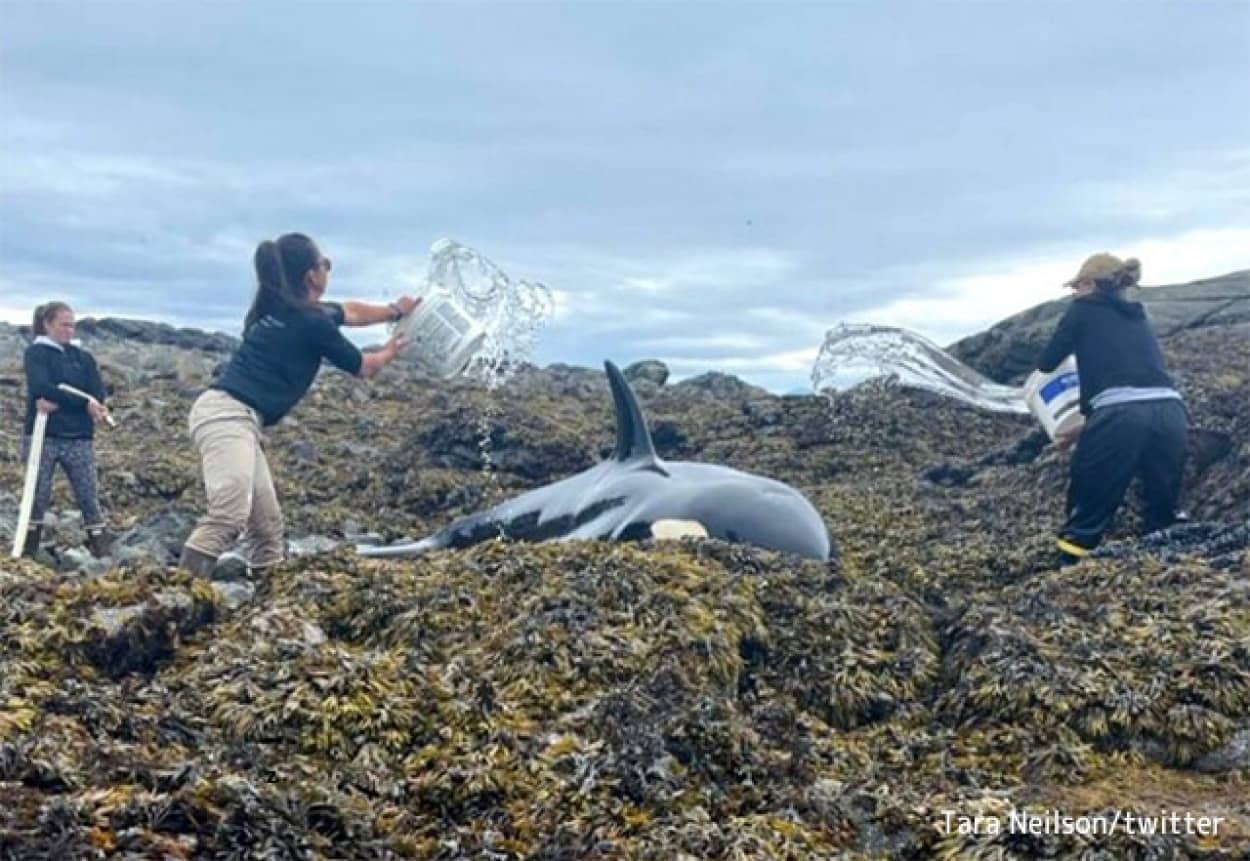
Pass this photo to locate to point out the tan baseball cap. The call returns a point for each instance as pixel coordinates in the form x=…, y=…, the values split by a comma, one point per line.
x=1096, y=266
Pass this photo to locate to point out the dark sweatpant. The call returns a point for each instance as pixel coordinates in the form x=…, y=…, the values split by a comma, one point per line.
x=1121, y=441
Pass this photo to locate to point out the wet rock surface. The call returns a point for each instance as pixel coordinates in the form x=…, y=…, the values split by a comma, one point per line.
x=635, y=701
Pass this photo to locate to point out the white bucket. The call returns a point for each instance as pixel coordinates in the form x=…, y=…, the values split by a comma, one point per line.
x=441, y=335
x=1055, y=398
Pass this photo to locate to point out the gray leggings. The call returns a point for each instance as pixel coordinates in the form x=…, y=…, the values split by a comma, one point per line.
x=77, y=457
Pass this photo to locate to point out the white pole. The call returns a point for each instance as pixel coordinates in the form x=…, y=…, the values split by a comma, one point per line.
x=32, y=479
x=67, y=388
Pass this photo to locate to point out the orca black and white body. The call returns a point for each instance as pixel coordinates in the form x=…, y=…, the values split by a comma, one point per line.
x=634, y=494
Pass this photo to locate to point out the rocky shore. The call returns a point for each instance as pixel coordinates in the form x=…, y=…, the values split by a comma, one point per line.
x=690, y=700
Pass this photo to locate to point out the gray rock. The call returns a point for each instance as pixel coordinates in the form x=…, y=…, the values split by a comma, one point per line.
x=174, y=599
x=559, y=378
x=147, y=332
x=230, y=568
x=720, y=386
x=234, y=595
x=645, y=389
x=111, y=620
x=1233, y=756
x=158, y=539
x=310, y=545
x=353, y=537
x=305, y=451
x=137, y=637
x=79, y=560
x=651, y=370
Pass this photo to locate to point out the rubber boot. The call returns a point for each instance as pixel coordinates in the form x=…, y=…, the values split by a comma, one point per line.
x=199, y=564
x=31, y=545
x=99, y=541
x=1070, y=552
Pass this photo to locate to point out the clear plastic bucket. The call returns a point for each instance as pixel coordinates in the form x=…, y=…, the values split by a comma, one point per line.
x=441, y=335
x=1055, y=398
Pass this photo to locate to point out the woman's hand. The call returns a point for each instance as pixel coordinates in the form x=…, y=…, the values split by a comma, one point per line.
x=395, y=345
x=1067, y=439
x=98, y=411
x=379, y=359
x=406, y=304
x=46, y=407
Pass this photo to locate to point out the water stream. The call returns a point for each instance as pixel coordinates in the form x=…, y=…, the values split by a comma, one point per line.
x=511, y=311
x=854, y=353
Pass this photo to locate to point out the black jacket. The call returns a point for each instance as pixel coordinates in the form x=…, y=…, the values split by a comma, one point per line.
x=46, y=366
x=281, y=354
x=1114, y=346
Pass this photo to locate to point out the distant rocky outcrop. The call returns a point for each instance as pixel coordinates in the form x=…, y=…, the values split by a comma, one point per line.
x=717, y=385
x=113, y=329
x=1008, y=350
x=130, y=352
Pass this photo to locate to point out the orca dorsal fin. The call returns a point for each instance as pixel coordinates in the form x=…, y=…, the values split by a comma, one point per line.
x=633, y=440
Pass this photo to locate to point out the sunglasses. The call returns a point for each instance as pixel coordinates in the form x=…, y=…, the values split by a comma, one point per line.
x=324, y=263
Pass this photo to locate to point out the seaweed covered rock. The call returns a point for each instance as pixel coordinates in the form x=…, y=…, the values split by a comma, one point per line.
x=652, y=700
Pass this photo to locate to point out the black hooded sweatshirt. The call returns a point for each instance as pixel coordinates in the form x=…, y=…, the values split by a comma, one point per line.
x=1114, y=344
x=47, y=366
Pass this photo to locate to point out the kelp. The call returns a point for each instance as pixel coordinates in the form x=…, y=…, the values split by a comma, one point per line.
x=689, y=699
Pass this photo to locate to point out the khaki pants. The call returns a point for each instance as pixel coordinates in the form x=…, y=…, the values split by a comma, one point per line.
x=241, y=497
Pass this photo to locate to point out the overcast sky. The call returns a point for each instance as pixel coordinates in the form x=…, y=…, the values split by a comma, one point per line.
x=711, y=184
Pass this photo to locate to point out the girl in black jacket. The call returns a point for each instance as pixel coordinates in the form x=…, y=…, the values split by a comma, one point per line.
x=1136, y=422
x=51, y=360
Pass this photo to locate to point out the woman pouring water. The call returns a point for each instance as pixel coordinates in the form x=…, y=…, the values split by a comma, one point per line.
x=288, y=331
x=1136, y=422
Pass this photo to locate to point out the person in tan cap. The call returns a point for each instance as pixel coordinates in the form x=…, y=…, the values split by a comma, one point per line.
x=1135, y=420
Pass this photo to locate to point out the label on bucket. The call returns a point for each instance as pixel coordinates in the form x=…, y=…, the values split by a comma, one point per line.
x=440, y=330
x=1058, y=386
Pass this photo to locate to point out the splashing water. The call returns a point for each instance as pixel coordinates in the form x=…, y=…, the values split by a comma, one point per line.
x=511, y=311
x=857, y=352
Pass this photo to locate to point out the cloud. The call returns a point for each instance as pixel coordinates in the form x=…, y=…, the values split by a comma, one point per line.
x=954, y=306
x=705, y=344
x=788, y=362
x=716, y=191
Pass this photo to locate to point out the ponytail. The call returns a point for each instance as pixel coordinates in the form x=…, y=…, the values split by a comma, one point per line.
x=281, y=267
x=45, y=314
x=1128, y=275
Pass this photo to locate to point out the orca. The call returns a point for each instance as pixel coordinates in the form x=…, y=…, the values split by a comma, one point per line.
x=635, y=495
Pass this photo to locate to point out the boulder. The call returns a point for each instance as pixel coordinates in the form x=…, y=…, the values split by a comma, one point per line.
x=718, y=386
x=1233, y=756
x=651, y=370
x=310, y=545
x=1008, y=351
x=137, y=637
x=158, y=538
